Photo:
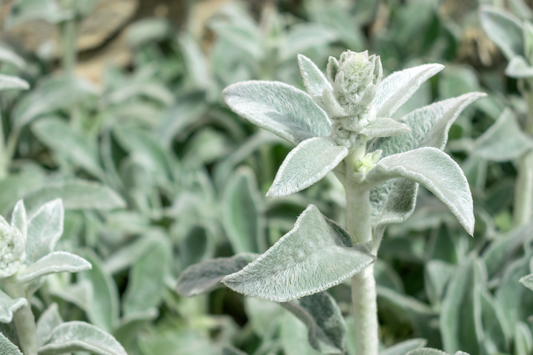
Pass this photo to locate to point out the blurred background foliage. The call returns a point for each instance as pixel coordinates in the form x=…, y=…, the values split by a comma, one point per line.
x=126, y=95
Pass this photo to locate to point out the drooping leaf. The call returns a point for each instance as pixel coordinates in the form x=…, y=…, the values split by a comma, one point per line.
x=80, y=336
x=385, y=127
x=279, y=108
x=7, y=347
x=437, y=172
x=404, y=347
x=311, y=258
x=503, y=141
x=8, y=82
x=504, y=29
x=45, y=227
x=58, y=261
x=8, y=306
x=323, y=319
x=314, y=80
x=306, y=164
x=48, y=321
x=206, y=276
x=398, y=87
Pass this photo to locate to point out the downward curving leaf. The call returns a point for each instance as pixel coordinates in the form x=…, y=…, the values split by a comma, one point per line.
x=80, y=336
x=48, y=321
x=306, y=164
x=504, y=29
x=385, y=127
x=503, y=141
x=279, y=108
x=8, y=306
x=437, y=172
x=44, y=230
x=58, y=261
x=314, y=80
x=7, y=347
x=8, y=82
x=311, y=258
x=404, y=347
x=206, y=276
x=323, y=319
x=398, y=87
x=518, y=67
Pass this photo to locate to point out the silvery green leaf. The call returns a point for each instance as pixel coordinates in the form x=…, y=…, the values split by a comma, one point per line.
x=294, y=336
x=314, y=80
x=129, y=254
x=80, y=336
x=48, y=321
x=288, y=270
x=460, y=320
x=178, y=117
x=8, y=82
x=24, y=11
x=243, y=213
x=246, y=38
x=437, y=172
x=104, y=311
x=232, y=351
x=127, y=330
x=503, y=141
x=58, y=261
x=306, y=164
x=436, y=277
x=426, y=351
x=385, y=127
x=168, y=341
x=60, y=137
x=523, y=341
x=264, y=316
x=146, y=278
x=323, y=319
x=9, y=56
x=518, y=68
x=398, y=87
x=151, y=89
x=197, y=244
x=496, y=332
x=279, y=108
x=148, y=30
x=206, y=276
x=527, y=281
x=404, y=347
x=195, y=61
x=528, y=38
x=7, y=347
x=79, y=293
x=303, y=36
x=504, y=29
x=76, y=195
x=8, y=306
x=19, y=219
x=45, y=228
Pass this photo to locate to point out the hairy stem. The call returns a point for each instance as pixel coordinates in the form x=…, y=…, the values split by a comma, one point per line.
x=524, y=185
x=363, y=284
x=24, y=321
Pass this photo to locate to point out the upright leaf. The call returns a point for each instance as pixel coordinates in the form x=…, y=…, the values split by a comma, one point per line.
x=504, y=29
x=314, y=80
x=48, y=321
x=45, y=227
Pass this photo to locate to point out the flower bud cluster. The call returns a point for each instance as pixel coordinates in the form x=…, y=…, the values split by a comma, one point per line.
x=350, y=100
x=12, y=249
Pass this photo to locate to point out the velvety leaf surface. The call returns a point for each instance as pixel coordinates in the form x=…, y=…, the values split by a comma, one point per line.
x=19, y=219
x=79, y=293
x=324, y=321
x=80, y=336
x=8, y=82
x=8, y=306
x=306, y=164
x=404, y=347
x=398, y=87
x=385, y=127
x=294, y=336
x=437, y=274
x=527, y=281
x=206, y=276
x=7, y=347
x=504, y=29
x=437, y=172
x=426, y=351
x=45, y=227
x=314, y=79
x=58, y=261
x=309, y=259
x=503, y=141
x=48, y=321
x=280, y=108
x=518, y=67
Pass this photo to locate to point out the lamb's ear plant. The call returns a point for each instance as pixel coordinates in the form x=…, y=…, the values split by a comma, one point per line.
x=27, y=257
x=342, y=124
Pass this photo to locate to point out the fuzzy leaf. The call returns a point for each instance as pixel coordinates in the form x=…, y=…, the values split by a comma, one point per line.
x=79, y=293
x=518, y=68
x=404, y=347
x=58, y=261
x=279, y=108
x=7, y=347
x=294, y=336
x=48, y=321
x=8, y=306
x=9, y=56
x=504, y=29
x=206, y=276
x=503, y=141
x=527, y=281
x=19, y=219
x=311, y=258
x=398, y=87
x=80, y=336
x=323, y=319
x=306, y=164
x=243, y=213
x=44, y=230
x=314, y=80
x=437, y=172
x=385, y=127
x=8, y=82
x=436, y=277
x=426, y=351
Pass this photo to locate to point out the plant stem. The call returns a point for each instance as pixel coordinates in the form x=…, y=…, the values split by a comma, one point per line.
x=524, y=185
x=24, y=321
x=364, y=303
